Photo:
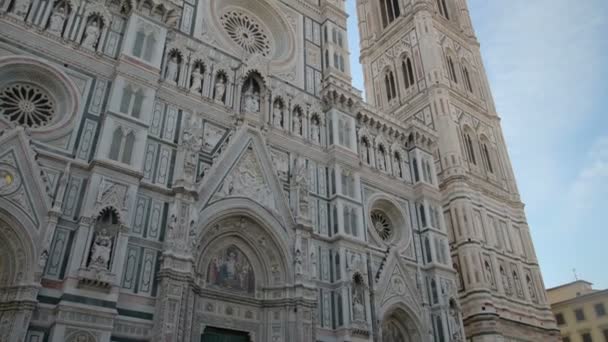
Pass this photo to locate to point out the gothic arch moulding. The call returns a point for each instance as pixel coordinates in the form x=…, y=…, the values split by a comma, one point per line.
x=240, y=249
x=400, y=324
x=17, y=253
x=37, y=95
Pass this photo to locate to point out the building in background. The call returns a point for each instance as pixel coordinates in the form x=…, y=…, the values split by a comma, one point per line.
x=203, y=170
x=580, y=311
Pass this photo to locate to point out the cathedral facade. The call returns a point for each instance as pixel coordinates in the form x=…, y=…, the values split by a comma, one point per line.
x=203, y=170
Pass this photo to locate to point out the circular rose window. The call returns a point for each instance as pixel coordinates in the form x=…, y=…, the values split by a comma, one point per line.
x=382, y=224
x=246, y=32
x=27, y=105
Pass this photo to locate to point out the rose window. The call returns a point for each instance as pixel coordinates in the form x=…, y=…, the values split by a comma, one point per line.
x=27, y=105
x=382, y=224
x=246, y=32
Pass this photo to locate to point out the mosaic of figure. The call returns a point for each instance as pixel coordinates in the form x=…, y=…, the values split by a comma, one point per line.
x=229, y=269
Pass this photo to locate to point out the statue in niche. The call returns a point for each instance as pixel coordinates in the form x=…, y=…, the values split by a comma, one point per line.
x=277, y=115
x=358, y=298
x=315, y=131
x=172, y=68
x=57, y=19
x=220, y=89
x=454, y=322
x=101, y=250
x=229, y=269
x=252, y=101
x=301, y=185
x=364, y=151
x=91, y=35
x=313, y=262
x=197, y=80
x=192, y=141
x=381, y=159
x=21, y=7
x=297, y=125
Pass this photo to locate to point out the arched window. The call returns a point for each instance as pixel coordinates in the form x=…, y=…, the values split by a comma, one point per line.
x=128, y=149
x=451, y=69
x=327, y=58
x=408, y=72
x=337, y=271
x=341, y=63
x=427, y=250
x=467, y=79
x=469, y=148
x=365, y=151
x=443, y=8
x=422, y=215
x=116, y=142
x=434, y=291
x=137, y=103
x=336, y=61
x=389, y=10
x=486, y=157
x=389, y=83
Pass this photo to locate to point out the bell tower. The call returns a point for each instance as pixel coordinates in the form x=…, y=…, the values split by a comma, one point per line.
x=422, y=63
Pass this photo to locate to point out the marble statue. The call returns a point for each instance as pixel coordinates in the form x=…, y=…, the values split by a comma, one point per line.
x=197, y=80
x=301, y=184
x=315, y=132
x=172, y=66
x=220, y=89
x=297, y=125
x=251, y=100
x=21, y=7
x=313, y=262
x=277, y=115
x=91, y=35
x=57, y=20
x=101, y=250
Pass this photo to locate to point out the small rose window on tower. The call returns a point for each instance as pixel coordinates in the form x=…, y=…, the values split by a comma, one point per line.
x=27, y=105
x=246, y=32
x=382, y=224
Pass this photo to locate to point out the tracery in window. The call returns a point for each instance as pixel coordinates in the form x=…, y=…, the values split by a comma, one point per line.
x=382, y=224
x=389, y=84
x=469, y=148
x=389, y=11
x=121, y=148
x=451, y=69
x=467, y=79
x=486, y=157
x=443, y=8
x=246, y=32
x=408, y=72
x=27, y=105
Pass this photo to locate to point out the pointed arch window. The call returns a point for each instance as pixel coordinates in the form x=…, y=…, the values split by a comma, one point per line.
x=408, y=72
x=121, y=148
x=389, y=10
x=486, y=157
x=469, y=147
x=389, y=83
x=443, y=8
x=144, y=45
x=451, y=69
x=467, y=79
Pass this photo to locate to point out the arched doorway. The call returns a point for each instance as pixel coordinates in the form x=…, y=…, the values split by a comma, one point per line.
x=399, y=326
x=240, y=266
x=17, y=274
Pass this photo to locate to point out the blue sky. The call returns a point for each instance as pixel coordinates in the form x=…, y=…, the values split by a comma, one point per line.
x=547, y=61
